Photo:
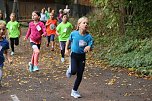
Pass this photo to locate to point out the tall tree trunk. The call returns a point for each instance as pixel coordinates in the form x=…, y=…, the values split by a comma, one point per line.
x=14, y=6
x=75, y=8
x=75, y=1
x=121, y=18
x=7, y=11
x=3, y=7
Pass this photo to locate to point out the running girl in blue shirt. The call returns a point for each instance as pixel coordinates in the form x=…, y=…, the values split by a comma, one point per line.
x=81, y=43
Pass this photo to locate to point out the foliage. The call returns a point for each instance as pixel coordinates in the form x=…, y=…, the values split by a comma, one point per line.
x=108, y=15
x=133, y=49
x=134, y=53
x=137, y=15
x=140, y=18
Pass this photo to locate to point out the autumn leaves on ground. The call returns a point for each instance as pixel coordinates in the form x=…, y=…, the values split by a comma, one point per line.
x=99, y=83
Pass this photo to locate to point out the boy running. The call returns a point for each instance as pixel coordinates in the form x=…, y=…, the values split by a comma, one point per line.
x=63, y=31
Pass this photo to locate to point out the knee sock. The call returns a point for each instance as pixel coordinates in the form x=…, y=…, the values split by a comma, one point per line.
x=35, y=57
x=1, y=73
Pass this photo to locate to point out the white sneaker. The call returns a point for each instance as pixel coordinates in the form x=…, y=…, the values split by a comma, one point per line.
x=68, y=72
x=75, y=94
x=62, y=59
x=12, y=53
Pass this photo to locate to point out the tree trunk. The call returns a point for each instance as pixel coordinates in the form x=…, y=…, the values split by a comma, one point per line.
x=3, y=7
x=75, y=1
x=75, y=9
x=121, y=18
x=14, y=6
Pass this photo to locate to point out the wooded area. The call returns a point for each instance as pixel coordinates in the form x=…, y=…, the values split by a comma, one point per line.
x=125, y=30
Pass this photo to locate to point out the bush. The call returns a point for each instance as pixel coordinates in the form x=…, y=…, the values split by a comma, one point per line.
x=131, y=53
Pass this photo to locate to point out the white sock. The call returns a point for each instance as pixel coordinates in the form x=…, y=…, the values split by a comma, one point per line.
x=1, y=73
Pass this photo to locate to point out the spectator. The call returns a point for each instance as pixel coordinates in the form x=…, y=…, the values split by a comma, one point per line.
x=43, y=17
x=67, y=10
x=59, y=18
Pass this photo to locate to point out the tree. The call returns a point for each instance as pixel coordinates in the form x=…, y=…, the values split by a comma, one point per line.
x=14, y=6
x=75, y=8
x=121, y=17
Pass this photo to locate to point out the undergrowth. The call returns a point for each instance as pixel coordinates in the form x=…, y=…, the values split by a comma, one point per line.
x=128, y=53
x=131, y=50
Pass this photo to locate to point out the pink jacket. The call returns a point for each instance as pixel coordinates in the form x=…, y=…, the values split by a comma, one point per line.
x=35, y=31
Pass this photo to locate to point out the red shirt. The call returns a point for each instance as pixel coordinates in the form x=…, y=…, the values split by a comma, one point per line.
x=51, y=26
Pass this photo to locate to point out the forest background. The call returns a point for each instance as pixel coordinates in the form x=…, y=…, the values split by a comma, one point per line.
x=123, y=33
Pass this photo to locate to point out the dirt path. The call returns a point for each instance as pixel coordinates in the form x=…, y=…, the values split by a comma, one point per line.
x=51, y=84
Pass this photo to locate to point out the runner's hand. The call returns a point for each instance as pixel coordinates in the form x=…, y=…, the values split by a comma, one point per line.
x=10, y=61
x=87, y=49
x=25, y=38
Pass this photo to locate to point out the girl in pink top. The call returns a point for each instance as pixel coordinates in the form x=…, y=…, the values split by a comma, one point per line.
x=35, y=31
x=59, y=18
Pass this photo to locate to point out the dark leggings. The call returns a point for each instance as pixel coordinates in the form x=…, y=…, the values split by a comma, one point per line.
x=50, y=38
x=14, y=41
x=62, y=47
x=77, y=67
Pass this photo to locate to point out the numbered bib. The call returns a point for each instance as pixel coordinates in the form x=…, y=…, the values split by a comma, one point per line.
x=65, y=30
x=82, y=43
x=52, y=27
x=11, y=27
x=38, y=27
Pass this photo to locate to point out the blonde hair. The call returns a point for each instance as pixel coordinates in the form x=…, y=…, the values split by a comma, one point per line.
x=60, y=10
x=79, y=21
x=2, y=23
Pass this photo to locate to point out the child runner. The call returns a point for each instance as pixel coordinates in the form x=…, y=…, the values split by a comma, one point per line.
x=35, y=31
x=60, y=16
x=43, y=17
x=81, y=43
x=63, y=31
x=14, y=31
x=2, y=17
x=48, y=13
x=67, y=10
x=4, y=46
x=51, y=30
